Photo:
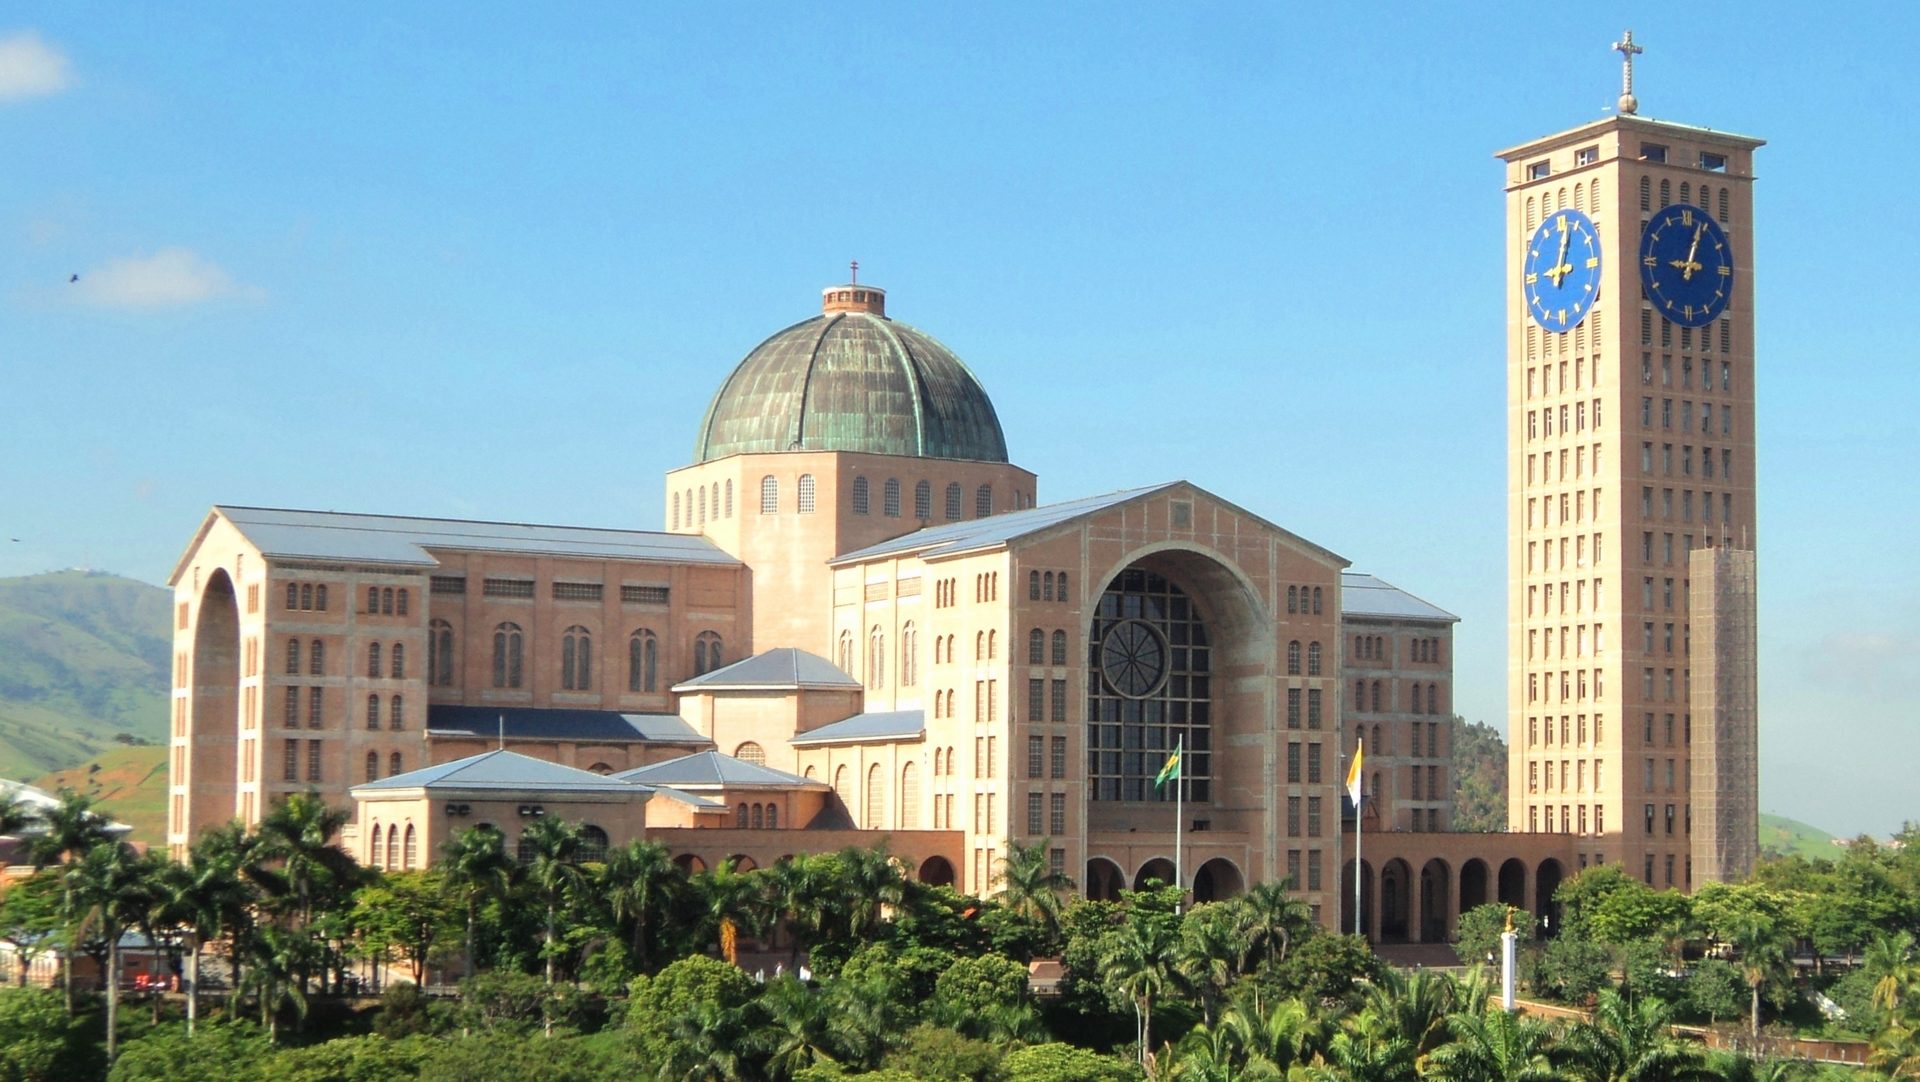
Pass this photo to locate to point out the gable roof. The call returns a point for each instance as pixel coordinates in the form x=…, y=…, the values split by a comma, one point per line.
x=994, y=529
x=403, y=541
x=878, y=727
x=1369, y=595
x=505, y=770
x=586, y=726
x=712, y=770
x=784, y=667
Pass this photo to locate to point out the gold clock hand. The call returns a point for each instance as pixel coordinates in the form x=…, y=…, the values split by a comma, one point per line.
x=1686, y=273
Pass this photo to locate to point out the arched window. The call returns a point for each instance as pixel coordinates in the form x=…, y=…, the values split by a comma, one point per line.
x=1723, y=204
x=923, y=498
x=909, y=655
x=412, y=852
x=386, y=601
x=806, y=494
x=910, y=796
x=373, y=659
x=507, y=656
x=306, y=596
x=890, y=498
x=397, y=661
x=1046, y=593
x=376, y=851
x=1359, y=694
x=876, y=658
x=673, y=520
x=1646, y=193
x=373, y=601
x=773, y=817
x=953, y=500
x=702, y=519
x=643, y=661
x=373, y=711
x=939, y=757
x=594, y=844
x=394, y=765
x=750, y=752
x=1033, y=585
x=983, y=501
x=1316, y=600
x=706, y=652
x=400, y=603
x=440, y=654
x=1059, y=648
x=576, y=659
x=320, y=597
x=1293, y=658
x=740, y=816
x=1313, y=659
x=1415, y=702
x=293, y=657
x=759, y=817
x=860, y=496
x=1379, y=741
x=1293, y=599
x=1060, y=586
x=373, y=767
x=393, y=846
x=1666, y=192
x=1376, y=696
x=317, y=658
x=979, y=646
x=1433, y=698
x=1686, y=192
x=769, y=495
x=396, y=713
x=729, y=497
x=845, y=655
x=876, y=798
x=1036, y=646
x=842, y=786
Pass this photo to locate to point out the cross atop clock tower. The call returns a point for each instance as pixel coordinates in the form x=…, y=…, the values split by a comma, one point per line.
x=1632, y=720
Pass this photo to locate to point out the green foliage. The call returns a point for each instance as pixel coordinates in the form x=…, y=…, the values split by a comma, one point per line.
x=215, y=1053
x=497, y=1057
x=972, y=987
x=1326, y=969
x=681, y=991
x=1065, y=1063
x=502, y=1001
x=349, y=1059
x=404, y=1011
x=35, y=1036
x=939, y=1054
x=1478, y=935
x=1480, y=775
x=1572, y=969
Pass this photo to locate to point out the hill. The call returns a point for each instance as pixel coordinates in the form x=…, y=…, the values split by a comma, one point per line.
x=83, y=668
x=127, y=783
x=1781, y=837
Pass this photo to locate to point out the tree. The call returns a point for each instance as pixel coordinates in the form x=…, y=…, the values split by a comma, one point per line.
x=1572, y=968
x=1285, y=1035
x=1414, y=1007
x=1478, y=937
x=221, y=1053
x=475, y=867
x=1065, y=1063
x=1490, y=1045
x=15, y=813
x=794, y=1030
x=972, y=989
x=1271, y=917
x=677, y=991
x=297, y=864
x=69, y=829
x=30, y=920
x=728, y=901
x=1715, y=989
x=114, y=891
x=198, y=898
x=1138, y=965
x=1480, y=774
x=1763, y=960
x=1028, y=884
x=632, y=883
x=1211, y=953
x=1631, y=1042
x=34, y=1034
x=873, y=882
x=552, y=848
x=408, y=913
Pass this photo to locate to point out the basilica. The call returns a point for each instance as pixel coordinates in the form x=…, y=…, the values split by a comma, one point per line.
x=860, y=625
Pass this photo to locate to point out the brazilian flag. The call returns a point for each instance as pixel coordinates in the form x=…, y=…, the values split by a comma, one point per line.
x=1171, y=771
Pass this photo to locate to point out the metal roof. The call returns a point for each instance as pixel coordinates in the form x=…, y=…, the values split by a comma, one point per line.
x=394, y=539
x=1367, y=595
x=500, y=769
x=783, y=667
x=698, y=803
x=868, y=728
x=712, y=770
x=852, y=381
x=587, y=726
x=995, y=529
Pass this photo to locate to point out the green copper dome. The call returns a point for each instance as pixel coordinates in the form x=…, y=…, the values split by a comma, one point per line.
x=851, y=379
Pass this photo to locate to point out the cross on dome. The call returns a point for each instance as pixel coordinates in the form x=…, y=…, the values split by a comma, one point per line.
x=1627, y=50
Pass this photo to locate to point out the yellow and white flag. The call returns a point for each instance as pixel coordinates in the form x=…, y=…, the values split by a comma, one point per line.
x=1353, y=773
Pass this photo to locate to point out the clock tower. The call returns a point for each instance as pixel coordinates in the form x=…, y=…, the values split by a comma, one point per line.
x=1632, y=719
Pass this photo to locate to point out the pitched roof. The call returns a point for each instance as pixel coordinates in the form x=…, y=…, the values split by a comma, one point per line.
x=530, y=723
x=394, y=539
x=1368, y=595
x=502, y=769
x=995, y=529
x=784, y=667
x=712, y=770
x=876, y=727
x=698, y=803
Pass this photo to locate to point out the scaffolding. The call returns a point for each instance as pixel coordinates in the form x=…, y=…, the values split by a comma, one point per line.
x=1726, y=719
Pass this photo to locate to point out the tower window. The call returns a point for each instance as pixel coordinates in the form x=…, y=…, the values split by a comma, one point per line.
x=860, y=495
x=1539, y=170
x=953, y=501
x=769, y=495
x=983, y=502
x=1716, y=163
x=806, y=494
x=1653, y=152
x=890, y=498
x=1586, y=155
x=923, y=501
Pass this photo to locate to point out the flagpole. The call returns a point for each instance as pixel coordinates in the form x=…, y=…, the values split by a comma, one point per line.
x=1359, y=866
x=1179, y=819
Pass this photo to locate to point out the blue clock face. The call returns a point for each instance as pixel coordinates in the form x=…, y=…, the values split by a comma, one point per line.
x=1562, y=270
x=1686, y=265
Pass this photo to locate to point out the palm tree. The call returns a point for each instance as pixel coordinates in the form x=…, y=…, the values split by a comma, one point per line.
x=232, y=846
x=796, y=1029
x=197, y=898
x=475, y=863
x=1137, y=965
x=707, y=1045
x=1271, y=916
x=872, y=883
x=1413, y=1006
x=631, y=882
x=113, y=887
x=1276, y=1040
x=15, y=813
x=551, y=848
x=297, y=864
x=69, y=830
x=1896, y=1050
x=1491, y=1045
x=1029, y=886
x=1889, y=960
x=1763, y=959
x=1354, y=1055
x=1210, y=1054
x=1631, y=1042
x=799, y=898
x=728, y=900
x=1210, y=955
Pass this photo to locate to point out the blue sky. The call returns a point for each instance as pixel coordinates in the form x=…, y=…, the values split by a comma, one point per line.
x=459, y=260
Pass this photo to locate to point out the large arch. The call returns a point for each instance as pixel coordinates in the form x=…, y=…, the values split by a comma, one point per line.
x=1436, y=900
x=1513, y=883
x=1473, y=884
x=1158, y=868
x=1104, y=880
x=1396, y=901
x=213, y=733
x=690, y=863
x=937, y=872
x=1545, y=882
x=1217, y=880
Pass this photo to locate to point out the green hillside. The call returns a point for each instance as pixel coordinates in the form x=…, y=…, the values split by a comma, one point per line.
x=129, y=784
x=83, y=668
x=1782, y=837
